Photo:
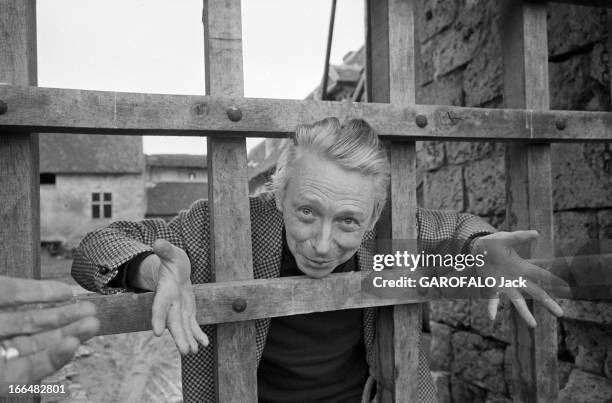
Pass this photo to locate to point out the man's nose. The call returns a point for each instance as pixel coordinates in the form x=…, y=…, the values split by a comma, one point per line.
x=322, y=243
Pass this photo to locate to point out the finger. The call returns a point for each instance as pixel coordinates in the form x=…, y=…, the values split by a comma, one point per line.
x=175, y=325
x=36, y=321
x=492, y=307
x=193, y=344
x=161, y=306
x=542, y=276
x=521, y=306
x=541, y=296
x=32, y=368
x=164, y=250
x=523, y=236
x=199, y=333
x=83, y=330
x=16, y=291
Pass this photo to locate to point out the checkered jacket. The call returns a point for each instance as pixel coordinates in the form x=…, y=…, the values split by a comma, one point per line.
x=102, y=252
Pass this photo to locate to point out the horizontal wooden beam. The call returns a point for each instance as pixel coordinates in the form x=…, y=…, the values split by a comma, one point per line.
x=591, y=3
x=34, y=109
x=129, y=312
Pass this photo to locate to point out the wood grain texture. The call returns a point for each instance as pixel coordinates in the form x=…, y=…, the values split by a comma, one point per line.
x=124, y=313
x=591, y=3
x=19, y=193
x=19, y=176
x=84, y=111
x=529, y=192
x=230, y=225
x=391, y=78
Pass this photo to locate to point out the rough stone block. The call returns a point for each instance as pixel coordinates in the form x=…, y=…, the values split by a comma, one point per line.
x=572, y=229
x=572, y=86
x=485, y=186
x=588, y=343
x=581, y=176
x=564, y=369
x=441, y=381
x=455, y=313
x=435, y=16
x=454, y=47
x=480, y=322
x=583, y=387
x=446, y=90
x=493, y=398
x=604, y=223
x=483, y=76
x=572, y=27
x=430, y=154
x=464, y=392
x=440, y=348
x=608, y=363
x=444, y=188
x=478, y=361
x=458, y=152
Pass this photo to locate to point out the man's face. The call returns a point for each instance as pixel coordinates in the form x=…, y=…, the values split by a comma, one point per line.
x=326, y=210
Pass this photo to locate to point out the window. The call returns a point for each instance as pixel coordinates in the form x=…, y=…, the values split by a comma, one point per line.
x=47, y=179
x=101, y=205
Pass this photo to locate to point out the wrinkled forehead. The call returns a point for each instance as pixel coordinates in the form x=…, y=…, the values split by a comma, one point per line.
x=316, y=177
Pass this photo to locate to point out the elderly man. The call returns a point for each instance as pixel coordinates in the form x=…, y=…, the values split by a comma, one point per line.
x=34, y=343
x=327, y=194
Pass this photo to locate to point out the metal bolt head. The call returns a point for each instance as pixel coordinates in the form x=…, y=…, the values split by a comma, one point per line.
x=560, y=124
x=234, y=114
x=239, y=305
x=421, y=121
x=3, y=107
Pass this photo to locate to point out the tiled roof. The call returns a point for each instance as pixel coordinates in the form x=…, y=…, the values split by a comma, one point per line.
x=81, y=153
x=176, y=160
x=168, y=198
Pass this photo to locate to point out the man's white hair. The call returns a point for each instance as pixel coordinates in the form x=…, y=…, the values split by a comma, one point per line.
x=354, y=146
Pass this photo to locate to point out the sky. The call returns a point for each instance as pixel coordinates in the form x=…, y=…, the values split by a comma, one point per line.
x=157, y=46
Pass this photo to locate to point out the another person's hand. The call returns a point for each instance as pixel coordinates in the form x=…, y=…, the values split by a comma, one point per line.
x=174, y=303
x=502, y=262
x=34, y=343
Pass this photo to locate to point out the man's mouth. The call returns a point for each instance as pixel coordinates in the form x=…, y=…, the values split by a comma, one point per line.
x=318, y=262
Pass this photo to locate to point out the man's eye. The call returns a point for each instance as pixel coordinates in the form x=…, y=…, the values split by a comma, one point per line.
x=305, y=211
x=349, y=224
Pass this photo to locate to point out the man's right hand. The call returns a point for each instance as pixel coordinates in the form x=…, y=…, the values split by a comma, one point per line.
x=174, y=304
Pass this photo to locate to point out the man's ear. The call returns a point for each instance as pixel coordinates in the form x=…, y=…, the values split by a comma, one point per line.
x=279, y=198
x=378, y=208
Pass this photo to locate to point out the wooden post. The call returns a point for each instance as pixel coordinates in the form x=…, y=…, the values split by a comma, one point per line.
x=230, y=225
x=529, y=191
x=19, y=175
x=390, y=72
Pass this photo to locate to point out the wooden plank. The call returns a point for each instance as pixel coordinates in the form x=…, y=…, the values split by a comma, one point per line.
x=230, y=225
x=590, y=3
x=529, y=192
x=391, y=78
x=609, y=26
x=19, y=177
x=124, y=313
x=84, y=111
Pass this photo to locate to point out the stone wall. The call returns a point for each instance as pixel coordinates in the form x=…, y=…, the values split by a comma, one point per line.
x=461, y=65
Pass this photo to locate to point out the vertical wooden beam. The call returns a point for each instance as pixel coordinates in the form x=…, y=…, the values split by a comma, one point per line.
x=390, y=74
x=230, y=225
x=19, y=176
x=529, y=191
x=609, y=48
x=19, y=173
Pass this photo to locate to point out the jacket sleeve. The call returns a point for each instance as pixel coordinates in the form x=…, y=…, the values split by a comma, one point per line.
x=101, y=253
x=448, y=231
